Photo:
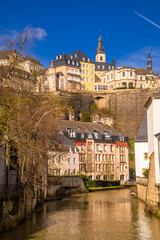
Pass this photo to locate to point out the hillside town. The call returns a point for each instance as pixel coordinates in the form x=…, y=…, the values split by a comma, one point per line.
x=76, y=146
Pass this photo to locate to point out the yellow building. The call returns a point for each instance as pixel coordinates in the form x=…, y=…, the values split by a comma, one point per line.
x=86, y=70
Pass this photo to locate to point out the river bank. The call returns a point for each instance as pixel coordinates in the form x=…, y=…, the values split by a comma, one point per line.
x=86, y=216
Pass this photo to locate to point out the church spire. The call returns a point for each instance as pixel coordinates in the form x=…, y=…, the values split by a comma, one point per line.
x=100, y=48
x=149, y=62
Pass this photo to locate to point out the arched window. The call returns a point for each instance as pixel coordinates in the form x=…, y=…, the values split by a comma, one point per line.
x=101, y=58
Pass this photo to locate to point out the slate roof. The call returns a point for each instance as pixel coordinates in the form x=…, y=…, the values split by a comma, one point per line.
x=144, y=71
x=142, y=135
x=86, y=127
x=79, y=55
x=65, y=141
x=105, y=68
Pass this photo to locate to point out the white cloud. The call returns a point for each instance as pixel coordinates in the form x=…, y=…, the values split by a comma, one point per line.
x=9, y=36
x=139, y=59
x=38, y=33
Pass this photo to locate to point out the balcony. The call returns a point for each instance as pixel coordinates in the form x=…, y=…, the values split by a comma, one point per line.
x=73, y=80
x=73, y=73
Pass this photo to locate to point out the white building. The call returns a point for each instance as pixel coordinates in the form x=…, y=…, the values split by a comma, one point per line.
x=153, y=128
x=141, y=149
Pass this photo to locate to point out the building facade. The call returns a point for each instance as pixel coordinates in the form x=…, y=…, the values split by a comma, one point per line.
x=141, y=149
x=64, y=161
x=103, y=152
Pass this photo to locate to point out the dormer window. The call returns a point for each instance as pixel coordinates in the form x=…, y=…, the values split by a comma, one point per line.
x=69, y=62
x=88, y=60
x=95, y=134
x=75, y=55
x=121, y=138
x=83, y=59
x=77, y=64
x=109, y=67
x=71, y=133
x=103, y=67
x=71, y=57
x=107, y=135
x=89, y=135
x=72, y=62
x=82, y=135
x=98, y=67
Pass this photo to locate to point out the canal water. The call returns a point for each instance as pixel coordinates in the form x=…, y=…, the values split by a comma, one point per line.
x=108, y=215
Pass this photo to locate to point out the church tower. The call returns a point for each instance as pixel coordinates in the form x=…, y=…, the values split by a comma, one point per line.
x=100, y=55
x=149, y=62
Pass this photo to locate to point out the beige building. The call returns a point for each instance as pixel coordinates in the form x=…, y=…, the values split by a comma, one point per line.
x=64, y=161
x=70, y=68
x=103, y=152
x=11, y=58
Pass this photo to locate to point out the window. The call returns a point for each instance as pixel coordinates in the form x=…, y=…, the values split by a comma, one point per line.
x=112, y=67
x=54, y=159
x=95, y=134
x=69, y=160
x=90, y=146
x=54, y=172
x=71, y=133
x=98, y=147
x=103, y=67
x=72, y=62
x=89, y=135
x=111, y=75
x=105, y=148
x=82, y=135
x=83, y=71
x=74, y=160
x=109, y=67
x=87, y=79
x=82, y=147
x=69, y=171
x=77, y=64
x=83, y=65
x=87, y=72
x=68, y=61
x=111, y=148
x=131, y=74
x=107, y=135
x=146, y=156
x=123, y=73
x=121, y=138
x=59, y=171
x=60, y=159
x=140, y=77
x=74, y=171
x=98, y=67
x=83, y=59
x=87, y=66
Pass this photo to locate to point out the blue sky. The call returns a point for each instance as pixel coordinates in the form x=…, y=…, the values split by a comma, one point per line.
x=128, y=28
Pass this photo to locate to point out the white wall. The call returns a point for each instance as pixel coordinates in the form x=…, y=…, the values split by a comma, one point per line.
x=140, y=149
x=153, y=126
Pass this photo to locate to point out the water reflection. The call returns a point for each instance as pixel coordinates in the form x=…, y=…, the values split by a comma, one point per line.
x=109, y=215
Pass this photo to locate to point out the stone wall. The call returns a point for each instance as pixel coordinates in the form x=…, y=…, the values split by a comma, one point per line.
x=127, y=107
x=15, y=207
x=141, y=192
x=152, y=191
x=62, y=186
